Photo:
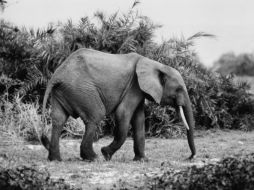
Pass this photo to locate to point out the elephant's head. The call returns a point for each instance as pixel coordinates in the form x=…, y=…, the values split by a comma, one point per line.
x=166, y=86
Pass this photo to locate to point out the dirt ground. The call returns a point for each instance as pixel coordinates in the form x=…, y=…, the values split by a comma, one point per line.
x=121, y=170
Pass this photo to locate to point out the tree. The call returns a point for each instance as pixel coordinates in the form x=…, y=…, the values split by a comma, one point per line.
x=242, y=64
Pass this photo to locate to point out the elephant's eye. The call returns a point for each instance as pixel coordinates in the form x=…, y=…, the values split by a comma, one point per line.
x=173, y=96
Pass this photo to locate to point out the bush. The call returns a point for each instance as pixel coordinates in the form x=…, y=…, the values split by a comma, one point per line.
x=162, y=122
x=220, y=103
x=230, y=173
x=28, y=178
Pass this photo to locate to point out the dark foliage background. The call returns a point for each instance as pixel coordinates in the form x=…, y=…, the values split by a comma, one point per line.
x=28, y=58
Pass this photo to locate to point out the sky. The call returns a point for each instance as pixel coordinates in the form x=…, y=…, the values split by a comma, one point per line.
x=230, y=20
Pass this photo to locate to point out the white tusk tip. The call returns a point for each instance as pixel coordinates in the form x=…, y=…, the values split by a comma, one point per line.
x=183, y=118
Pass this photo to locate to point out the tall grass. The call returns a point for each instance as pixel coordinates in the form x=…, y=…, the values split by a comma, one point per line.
x=19, y=119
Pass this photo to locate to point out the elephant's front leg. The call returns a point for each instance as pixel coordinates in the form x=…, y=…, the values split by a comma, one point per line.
x=123, y=117
x=138, y=125
x=86, y=148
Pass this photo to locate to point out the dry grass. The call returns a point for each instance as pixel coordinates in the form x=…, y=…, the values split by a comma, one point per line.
x=18, y=119
x=163, y=153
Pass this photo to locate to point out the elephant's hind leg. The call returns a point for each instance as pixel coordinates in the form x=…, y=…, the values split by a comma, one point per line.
x=138, y=126
x=59, y=117
x=86, y=148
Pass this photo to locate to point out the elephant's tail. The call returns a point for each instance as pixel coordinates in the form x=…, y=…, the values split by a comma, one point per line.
x=43, y=137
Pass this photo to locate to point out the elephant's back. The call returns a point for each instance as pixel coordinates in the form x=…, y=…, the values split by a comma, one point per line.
x=110, y=75
x=97, y=62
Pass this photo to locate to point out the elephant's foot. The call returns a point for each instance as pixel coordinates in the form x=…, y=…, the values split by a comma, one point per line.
x=141, y=158
x=88, y=155
x=192, y=157
x=54, y=157
x=107, y=153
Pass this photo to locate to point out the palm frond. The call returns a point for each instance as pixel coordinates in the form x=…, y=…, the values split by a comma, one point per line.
x=200, y=35
x=35, y=77
x=136, y=2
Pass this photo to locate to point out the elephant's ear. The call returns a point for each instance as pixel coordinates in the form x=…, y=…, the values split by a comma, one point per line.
x=148, y=72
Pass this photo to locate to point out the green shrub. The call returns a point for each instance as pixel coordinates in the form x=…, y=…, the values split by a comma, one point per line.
x=230, y=173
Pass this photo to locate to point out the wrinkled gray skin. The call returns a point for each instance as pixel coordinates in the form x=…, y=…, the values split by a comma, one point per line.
x=91, y=84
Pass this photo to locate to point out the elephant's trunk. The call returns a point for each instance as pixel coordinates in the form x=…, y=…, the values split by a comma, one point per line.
x=188, y=120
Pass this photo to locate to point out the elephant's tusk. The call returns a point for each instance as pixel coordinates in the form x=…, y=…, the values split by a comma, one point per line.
x=183, y=118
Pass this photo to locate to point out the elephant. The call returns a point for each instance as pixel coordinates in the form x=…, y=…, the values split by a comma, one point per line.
x=91, y=84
